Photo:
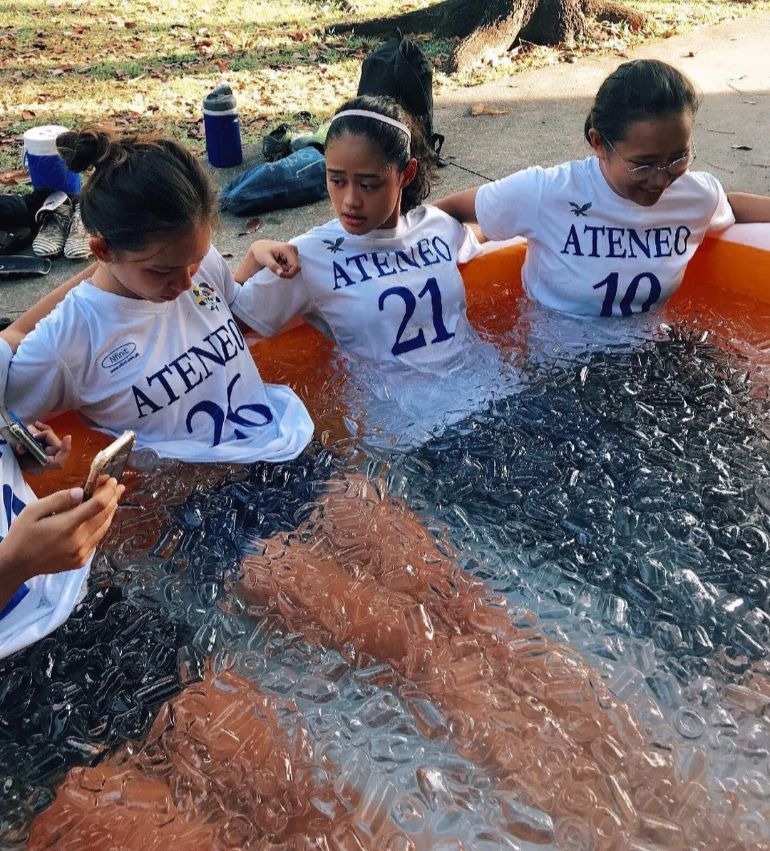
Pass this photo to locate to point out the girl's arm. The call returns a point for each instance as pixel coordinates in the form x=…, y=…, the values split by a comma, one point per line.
x=281, y=258
x=54, y=534
x=40, y=378
x=460, y=205
x=266, y=304
x=371, y=580
x=749, y=208
x=21, y=326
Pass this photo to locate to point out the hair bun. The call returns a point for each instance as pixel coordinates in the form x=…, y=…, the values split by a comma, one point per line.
x=84, y=149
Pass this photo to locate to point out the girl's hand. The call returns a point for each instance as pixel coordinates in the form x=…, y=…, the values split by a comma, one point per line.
x=60, y=531
x=281, y=258
x=57, y=449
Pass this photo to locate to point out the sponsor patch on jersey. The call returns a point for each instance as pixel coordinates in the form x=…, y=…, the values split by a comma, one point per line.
x=119, y=357
x=206, y=296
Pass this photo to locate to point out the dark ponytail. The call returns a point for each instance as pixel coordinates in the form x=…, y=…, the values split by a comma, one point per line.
x=140, y=188
x=641, y=90
x=391, y=141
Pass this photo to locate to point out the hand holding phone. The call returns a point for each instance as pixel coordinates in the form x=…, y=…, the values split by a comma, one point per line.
x=109, y=462
x=20, y=435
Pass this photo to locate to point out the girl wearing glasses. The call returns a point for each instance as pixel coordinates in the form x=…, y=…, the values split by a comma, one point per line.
x=611, y=235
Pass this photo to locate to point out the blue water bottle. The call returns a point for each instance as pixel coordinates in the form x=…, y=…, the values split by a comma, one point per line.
x=46, y=168
x=223, y=131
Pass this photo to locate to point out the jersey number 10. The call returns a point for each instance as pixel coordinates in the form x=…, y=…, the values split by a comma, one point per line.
x=626, y=302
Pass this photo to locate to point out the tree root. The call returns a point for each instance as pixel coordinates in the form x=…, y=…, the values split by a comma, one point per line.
x=615, y=13
x=492, y=26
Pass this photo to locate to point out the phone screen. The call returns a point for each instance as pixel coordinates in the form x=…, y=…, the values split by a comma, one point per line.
x=22, y=436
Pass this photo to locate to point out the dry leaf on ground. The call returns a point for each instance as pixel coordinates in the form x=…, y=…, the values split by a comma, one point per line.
x=252, y=226
x=15, y=177
x=483, y=109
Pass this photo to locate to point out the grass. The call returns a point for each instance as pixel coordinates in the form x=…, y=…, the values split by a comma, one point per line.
x=146, y=65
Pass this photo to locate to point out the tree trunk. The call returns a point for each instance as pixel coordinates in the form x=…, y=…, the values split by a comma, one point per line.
x=492, y=26
x=495, y=27
x=450, y=19
x=555, y=22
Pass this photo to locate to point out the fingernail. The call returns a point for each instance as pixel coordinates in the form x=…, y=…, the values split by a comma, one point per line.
x=76, y=494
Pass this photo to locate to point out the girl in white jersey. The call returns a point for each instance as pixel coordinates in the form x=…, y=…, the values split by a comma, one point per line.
x=611, y=235
x=45, y=545
x=381, y=279
x=148, y=341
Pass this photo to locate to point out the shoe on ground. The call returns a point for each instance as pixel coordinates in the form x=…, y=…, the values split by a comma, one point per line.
x=317, y=139
x=277, y=144
x=33, y=201
x=54, y=220
x=77, y=245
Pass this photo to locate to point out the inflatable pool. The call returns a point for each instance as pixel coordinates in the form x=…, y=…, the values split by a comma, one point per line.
x=733, y=264
x=616, y=508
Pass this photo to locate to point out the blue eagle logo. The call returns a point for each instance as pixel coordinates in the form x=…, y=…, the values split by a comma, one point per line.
x=334, y=246
x=580, y=210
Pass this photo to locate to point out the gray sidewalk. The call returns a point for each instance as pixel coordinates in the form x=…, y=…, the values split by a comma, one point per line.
x=544, y=125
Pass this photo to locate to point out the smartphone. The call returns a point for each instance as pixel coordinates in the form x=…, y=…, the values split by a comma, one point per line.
x=21, y=436
x=109, y=462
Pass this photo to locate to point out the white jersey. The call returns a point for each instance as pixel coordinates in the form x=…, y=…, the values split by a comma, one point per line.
x=391, y=296
x=44, y=602
x=178, y=373
x=591, y=252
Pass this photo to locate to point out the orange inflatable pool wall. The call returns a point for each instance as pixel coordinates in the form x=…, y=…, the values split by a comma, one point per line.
x=737, y=261
x=727, y=273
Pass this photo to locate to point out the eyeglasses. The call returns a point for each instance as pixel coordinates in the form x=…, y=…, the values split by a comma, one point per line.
x=675, y=168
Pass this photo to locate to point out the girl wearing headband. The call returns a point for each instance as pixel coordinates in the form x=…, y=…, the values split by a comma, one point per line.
x=381, y=279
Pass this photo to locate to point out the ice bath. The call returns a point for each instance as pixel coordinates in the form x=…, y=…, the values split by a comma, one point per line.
x=616, y=503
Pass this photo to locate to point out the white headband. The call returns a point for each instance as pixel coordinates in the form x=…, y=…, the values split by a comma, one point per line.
x=366, y=113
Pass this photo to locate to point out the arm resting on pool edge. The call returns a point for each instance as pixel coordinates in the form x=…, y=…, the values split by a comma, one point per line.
x=23, y=324
x=460, y=205
x=748, y=208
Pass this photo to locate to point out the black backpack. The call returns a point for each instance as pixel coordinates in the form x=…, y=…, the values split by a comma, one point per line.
x=399, y=69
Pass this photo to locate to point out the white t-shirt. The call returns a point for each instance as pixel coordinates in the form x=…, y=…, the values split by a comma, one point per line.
x=591, y=252
x=389, y=296
x=178, y=373
x=44, y=602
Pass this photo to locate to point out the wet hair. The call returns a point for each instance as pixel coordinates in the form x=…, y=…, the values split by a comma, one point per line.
x=392, y=142
x=141, y=187
x=640, y=90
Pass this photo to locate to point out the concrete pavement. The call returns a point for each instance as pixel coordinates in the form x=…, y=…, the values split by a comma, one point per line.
x=544, y=125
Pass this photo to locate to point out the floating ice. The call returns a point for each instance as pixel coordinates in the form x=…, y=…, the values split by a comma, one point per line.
x=617, y=500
